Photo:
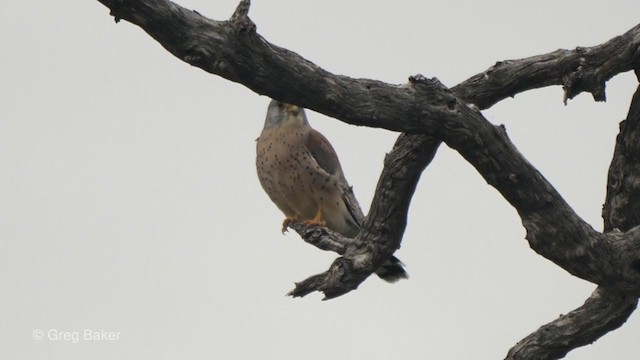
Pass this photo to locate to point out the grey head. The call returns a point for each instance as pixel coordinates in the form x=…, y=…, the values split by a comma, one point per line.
x=282, y=114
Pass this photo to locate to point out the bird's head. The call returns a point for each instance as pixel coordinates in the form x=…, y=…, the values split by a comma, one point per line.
x=284, y=115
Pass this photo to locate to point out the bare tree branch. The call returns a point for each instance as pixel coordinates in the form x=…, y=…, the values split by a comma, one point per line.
x=578, y=70
x=323, y=238
x=604, y=310
x=622, y=205
x=233, y=50
x=554, y=230
x=433, y=113
x=384, y=225
x=607, y=308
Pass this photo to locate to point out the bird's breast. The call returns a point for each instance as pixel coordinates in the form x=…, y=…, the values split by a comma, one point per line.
x=280, y=156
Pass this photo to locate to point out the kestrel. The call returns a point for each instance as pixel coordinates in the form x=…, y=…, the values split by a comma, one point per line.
x=300, y=171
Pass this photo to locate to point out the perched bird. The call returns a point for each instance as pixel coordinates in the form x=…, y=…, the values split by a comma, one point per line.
x=300, y=171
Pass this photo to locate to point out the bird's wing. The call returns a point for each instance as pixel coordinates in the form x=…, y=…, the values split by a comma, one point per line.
x=353, y=207
x=322, y=152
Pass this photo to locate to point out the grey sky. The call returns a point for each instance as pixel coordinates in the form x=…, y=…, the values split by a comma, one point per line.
x=130, y=204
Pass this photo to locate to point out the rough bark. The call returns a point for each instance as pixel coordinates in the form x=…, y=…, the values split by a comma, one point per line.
x=606, y=309
x=582, y=69
x=428, y=113
x=233, y=50
x=622, y=205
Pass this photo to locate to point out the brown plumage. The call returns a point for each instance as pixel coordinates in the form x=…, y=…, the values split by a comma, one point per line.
x=300, y=171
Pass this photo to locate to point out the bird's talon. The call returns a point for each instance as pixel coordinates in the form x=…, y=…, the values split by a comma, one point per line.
x=287, y=222
x=314, y=222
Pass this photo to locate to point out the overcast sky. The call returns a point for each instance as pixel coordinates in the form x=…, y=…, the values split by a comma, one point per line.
x=129, y=203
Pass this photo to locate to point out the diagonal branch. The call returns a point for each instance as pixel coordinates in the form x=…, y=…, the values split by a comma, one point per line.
x=606, y=309
x=233, y=50
x=323, y=238
x=578, y=70
x=385, y=224
x=622, y=205
x=553, y=228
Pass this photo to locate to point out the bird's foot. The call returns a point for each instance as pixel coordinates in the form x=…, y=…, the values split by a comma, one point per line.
x=316, y=221
x=288, y=221
x=309, y=223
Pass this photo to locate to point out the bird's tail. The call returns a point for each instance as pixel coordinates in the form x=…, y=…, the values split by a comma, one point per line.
x=391, y=270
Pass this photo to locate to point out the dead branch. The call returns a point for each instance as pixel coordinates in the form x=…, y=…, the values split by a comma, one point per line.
x=433, y=113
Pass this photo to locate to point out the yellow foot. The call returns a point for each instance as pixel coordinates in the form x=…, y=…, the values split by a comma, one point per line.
x=316, y=221
x=288, y=221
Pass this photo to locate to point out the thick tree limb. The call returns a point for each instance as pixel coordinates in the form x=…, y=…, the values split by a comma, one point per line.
x=606, y=309
x=233, y=50
x=622, y=205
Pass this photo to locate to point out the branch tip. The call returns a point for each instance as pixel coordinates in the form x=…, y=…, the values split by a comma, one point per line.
x=418, y=78
x=599, y=92
x=116, y=18
x=241, y=14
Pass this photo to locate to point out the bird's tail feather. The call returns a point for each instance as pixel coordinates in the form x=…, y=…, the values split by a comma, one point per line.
x=391, y=270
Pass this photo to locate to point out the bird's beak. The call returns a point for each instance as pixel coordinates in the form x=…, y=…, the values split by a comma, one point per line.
x=292, y=108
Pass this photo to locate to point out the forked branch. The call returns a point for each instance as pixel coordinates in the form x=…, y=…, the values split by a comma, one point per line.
x=433, y=113
x=607, y=308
